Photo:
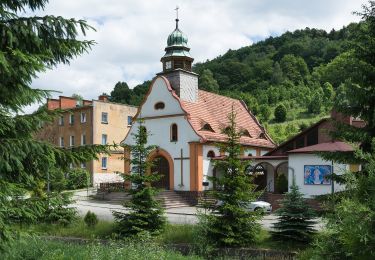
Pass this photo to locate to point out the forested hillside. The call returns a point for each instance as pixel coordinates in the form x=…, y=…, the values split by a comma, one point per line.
x=288, y=82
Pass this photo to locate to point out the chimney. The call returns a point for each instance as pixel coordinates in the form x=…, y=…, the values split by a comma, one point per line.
x=103, y=98
x=340, y=117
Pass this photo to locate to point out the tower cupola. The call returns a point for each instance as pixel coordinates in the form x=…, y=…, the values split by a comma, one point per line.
x=177, y=65
x=177, y=55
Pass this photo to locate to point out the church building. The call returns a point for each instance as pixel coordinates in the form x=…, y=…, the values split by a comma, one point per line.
x=185, y=123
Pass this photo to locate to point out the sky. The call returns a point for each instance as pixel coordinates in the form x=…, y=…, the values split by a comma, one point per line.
x=131, y=35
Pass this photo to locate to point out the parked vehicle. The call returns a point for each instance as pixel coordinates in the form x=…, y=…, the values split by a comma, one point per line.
x=260, y=206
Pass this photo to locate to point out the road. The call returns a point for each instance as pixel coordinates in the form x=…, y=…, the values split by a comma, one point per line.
x=182, y=215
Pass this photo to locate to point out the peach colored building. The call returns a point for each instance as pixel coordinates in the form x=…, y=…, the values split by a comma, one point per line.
x=91, y=122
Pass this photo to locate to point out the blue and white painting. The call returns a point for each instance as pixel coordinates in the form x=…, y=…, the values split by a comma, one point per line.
x=317, y=174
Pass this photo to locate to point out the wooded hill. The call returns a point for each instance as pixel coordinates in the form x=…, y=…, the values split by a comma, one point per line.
x=288, y=81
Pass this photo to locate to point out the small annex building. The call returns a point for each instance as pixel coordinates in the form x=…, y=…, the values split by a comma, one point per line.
x=299, y=157
x=184, y=123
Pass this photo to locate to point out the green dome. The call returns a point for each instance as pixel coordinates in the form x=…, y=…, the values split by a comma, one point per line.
x=177, y=38
x=177, y=44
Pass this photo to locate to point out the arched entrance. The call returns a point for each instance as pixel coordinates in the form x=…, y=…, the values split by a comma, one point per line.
x=161, y=167
x=162, y=164
x=261, y=173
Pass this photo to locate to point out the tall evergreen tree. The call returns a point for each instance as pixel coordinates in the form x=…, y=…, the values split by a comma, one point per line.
x=146, y=213
x=233, y=224
x=350, y=231
x=31, y=45
x=294, y=217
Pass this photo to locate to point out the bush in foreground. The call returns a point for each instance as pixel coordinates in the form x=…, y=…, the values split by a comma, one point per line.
x=91, y=219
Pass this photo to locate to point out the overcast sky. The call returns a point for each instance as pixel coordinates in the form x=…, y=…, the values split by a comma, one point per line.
x=131, y=34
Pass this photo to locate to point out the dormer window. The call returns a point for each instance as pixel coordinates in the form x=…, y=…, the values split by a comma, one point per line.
x=207, y=127
x=262, y=136
x=159, y=106
x=168, y=65
x=246, y=133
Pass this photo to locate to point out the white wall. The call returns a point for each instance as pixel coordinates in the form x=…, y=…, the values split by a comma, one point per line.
x=159, y=130
x=297, y=163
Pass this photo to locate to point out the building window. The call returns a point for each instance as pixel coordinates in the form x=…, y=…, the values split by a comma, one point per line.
x=210, y=154
x=246, y=133
x=83, y=139
x=83, y=165
x=83, y=117
x=71, y=140
x=159, y=105
x=61, y=120
x=104, y=163
x=61, y=141
x=174, y=133
x=207, y=127
x=104, y=118
x=130, y=120
x=104, y=139
x=71, y=119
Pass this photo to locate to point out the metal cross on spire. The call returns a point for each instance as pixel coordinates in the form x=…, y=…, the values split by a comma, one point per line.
x=176, y=9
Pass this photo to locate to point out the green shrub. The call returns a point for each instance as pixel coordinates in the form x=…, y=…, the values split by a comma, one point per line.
x=281, y=183
x=91, y=219
x=280, y=113
x=77, y=178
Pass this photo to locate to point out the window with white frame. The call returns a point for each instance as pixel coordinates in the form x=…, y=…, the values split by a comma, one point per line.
x=104, y=118
x=104, y=163
x=83, y=139
x=71, y=140
x=71, y=119
x=83, y=117
x=130, y=120
x=61, y=141
x=104, y=139
x=61, y=120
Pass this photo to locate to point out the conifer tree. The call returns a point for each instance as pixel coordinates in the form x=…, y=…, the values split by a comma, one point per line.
x=295, y=217
x=233, y=224
x=31, y=45
x=146, y=213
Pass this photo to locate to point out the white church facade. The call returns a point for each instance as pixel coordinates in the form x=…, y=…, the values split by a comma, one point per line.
x=185, y=123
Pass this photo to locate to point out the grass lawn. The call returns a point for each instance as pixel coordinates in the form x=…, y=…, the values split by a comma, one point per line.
x=36, y=248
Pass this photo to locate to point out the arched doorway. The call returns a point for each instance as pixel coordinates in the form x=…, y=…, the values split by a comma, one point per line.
x=161, y=167
x=281, y=178
x=163, y=164
x=262, y=173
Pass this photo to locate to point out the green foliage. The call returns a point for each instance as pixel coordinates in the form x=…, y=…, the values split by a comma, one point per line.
x=145, y=212
x=315, y=105
x=91, y=220
x=232, y=225
x=350, y=231
x=36, y=248
x=281, y=183
x=123, y=94
x=31, y=45
x=280, y=113
x=294, y=218
x=207, y=81
x=77, y=178
x=264, y=113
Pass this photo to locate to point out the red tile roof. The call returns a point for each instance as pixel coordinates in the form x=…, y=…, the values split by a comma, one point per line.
x=325, y=147
x=213, y=109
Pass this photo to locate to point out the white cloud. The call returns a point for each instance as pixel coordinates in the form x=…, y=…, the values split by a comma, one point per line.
x=131, y=35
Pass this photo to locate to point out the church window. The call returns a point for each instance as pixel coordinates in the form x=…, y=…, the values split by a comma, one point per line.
x=174, y=133
x=207, y=127
x=168, y=65
x=210, y=154
x=159, y=105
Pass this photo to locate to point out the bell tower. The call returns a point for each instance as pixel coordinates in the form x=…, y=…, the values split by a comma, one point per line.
x=177, y=65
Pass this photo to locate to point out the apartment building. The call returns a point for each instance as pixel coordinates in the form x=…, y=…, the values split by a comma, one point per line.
x=88, y=122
